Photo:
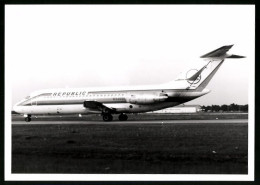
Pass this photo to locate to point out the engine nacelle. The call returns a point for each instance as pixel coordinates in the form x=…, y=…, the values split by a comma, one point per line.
x=146, y=99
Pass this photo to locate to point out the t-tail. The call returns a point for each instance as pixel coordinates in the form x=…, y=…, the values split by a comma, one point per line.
x=198, y=79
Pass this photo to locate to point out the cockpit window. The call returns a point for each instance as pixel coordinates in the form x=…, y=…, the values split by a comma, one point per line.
x=27, y=97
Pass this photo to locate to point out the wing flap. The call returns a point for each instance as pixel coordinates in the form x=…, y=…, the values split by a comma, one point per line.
x=98, y=106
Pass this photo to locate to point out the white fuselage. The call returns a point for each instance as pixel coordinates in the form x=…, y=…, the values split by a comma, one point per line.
x=122, y=99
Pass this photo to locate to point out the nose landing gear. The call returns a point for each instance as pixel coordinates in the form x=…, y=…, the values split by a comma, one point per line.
x=28, y=118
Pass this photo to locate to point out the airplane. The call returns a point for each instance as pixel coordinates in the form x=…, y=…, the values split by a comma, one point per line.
x=123, y=100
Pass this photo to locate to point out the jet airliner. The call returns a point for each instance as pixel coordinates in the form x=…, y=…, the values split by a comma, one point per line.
x=123, y=100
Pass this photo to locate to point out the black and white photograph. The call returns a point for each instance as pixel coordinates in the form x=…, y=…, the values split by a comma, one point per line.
x=129, y=92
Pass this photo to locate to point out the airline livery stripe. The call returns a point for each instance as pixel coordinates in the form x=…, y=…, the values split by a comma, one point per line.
x=77, y=102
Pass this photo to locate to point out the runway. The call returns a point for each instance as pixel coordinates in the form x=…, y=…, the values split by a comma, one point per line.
x=225, y=121
x=210, y=146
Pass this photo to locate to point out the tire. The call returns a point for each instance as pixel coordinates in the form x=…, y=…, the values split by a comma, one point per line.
x=122, y=117
x=125, y=117
x=110, y=117
x=107, y=117
x=28, y=119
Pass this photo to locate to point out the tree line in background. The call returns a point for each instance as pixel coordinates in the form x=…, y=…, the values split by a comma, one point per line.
x=225, y=108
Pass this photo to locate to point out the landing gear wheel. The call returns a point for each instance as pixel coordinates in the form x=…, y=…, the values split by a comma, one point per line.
x=28, y=119
x=107, y=117
x=122, y=117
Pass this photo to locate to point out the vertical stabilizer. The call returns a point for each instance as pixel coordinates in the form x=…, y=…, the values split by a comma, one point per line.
x=198, y=79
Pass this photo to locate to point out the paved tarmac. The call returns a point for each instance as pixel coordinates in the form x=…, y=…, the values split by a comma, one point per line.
x=218, y=146
x=226, y=121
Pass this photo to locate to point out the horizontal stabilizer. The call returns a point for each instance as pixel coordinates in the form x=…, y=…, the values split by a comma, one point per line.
x=236, y=56
x=220, y=52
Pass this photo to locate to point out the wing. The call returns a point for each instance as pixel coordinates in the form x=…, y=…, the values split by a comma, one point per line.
x=218, y=52
x=98, y=106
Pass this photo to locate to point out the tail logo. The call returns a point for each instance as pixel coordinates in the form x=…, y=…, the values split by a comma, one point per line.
x=191, y=73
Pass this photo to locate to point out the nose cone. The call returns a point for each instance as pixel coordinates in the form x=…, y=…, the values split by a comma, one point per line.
x=17, y=108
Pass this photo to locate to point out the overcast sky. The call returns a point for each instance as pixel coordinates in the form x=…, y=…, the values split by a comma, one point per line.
x=93, y=45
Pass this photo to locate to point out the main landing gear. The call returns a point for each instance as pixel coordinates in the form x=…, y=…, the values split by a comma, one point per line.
x=109, y=117
x=28, y=118
x=122, y=117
